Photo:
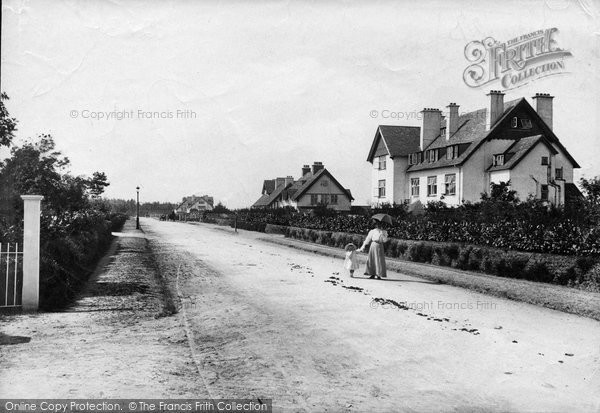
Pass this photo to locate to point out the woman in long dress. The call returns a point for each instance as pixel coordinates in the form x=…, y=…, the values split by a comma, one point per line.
x=376, y=259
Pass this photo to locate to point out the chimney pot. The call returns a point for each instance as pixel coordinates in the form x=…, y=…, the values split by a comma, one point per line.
x=432, y=119
x=543, y=107
x=317, y=166
x=496, y=108
x=452, y=120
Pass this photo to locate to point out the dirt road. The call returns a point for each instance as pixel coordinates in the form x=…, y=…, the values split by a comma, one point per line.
x=260, y=320
x=270, y=321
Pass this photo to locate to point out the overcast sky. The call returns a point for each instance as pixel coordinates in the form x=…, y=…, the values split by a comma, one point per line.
x=268, y=86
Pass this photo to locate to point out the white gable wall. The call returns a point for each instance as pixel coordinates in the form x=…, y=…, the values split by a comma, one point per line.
x=325, y=186
x=386, y=174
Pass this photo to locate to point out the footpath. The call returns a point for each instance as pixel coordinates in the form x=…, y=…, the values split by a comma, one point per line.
x=556, y=297
x=118, y=340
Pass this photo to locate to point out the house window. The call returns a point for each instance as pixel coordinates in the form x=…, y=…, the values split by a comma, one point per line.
x=499, y=160
x=450, y=184
x=452, y=152
x=544, y=160
x=381, y=189
x=314, y=199
x=414, y=158
x=382, y=162
x=515, y=122
x=325, y=199
x=544, y=194
x=526, y=123
x=431, y=185
x=558, y=173
x=414, y=186
x=432, y=155
x=334, y=199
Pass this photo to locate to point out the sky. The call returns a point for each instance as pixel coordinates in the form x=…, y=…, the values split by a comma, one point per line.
x=213, y=97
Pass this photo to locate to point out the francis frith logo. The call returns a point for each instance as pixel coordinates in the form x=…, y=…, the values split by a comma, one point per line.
x=515, y=62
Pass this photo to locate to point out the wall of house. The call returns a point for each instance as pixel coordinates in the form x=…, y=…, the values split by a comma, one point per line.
x=388, y=175
x=399, y=165
x=500, y=176
x=474, y=177
x=320, y=187
x=531, y=166
x=441, y=175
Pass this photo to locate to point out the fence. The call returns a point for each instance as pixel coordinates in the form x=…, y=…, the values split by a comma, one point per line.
x=20, y=268
x=11, y=269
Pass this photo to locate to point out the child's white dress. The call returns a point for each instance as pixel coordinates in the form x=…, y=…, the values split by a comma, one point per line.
x=351, y=261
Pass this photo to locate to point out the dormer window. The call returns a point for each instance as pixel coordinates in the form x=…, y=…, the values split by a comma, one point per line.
x=414, y=158
x=499, y=159
x=432, y=155
x=520, y=123
x=452, y=152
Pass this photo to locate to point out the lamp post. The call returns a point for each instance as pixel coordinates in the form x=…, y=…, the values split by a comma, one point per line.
x=137, y=220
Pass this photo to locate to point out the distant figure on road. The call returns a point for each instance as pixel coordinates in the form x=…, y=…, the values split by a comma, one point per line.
x=351, y=261
x=376, y=259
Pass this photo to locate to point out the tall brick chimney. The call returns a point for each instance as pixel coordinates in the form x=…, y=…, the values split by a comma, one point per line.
x=305, y=169
x=451, y=120
x=543, y=107
x=279, y=182
x=289, y=180
x=432, y=118
x=496, y=108
x=317, y=166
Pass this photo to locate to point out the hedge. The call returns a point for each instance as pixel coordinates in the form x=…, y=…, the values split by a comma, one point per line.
x=70, y=249
x=578, y=272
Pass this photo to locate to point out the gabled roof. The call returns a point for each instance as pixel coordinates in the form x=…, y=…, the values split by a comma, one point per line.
x=472, y=131
x=519, y=149
x=268, y=186
x=399, y=140
x=261, y=202
x=302, y=188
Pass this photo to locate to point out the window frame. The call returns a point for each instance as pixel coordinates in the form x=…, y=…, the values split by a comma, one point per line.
x=545, y=160
x=414, y=186
x=334, y=199
x=381, y=188
x=560, y=175
x=447, y=184
x=498, y=159
x=432, y=186
x=382, y=161
x=544, y=192
x=314, y=199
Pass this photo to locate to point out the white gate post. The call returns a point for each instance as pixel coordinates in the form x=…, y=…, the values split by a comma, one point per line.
x=31, y=252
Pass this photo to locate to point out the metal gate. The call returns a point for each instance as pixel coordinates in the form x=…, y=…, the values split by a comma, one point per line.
x=11, y=275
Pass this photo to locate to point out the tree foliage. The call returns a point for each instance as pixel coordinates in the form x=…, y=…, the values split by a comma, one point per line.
x=8, y=125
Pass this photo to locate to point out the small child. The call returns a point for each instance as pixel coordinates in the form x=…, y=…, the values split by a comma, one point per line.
x=351, y=261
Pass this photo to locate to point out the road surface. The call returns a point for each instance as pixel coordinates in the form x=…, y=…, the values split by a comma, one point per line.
x=269, y=321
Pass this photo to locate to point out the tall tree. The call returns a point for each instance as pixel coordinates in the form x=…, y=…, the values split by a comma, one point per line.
x=8, y=125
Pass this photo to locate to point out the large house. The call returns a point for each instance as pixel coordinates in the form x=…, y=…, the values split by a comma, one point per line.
x=315, y=187
x=193, y=206
x=455, y=158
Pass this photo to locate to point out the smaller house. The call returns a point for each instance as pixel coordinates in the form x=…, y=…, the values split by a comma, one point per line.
x=316, y=186
x=192, y=206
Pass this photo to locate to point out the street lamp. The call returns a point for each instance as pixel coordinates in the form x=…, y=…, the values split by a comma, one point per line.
x=137, y=220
